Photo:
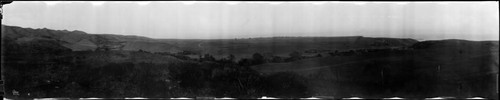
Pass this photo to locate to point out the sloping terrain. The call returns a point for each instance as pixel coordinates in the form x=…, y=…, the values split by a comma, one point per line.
x=282, y=46
x=220, y=48
x=81, y=41
x=48, y=63
x=45, y=68
x=440, y=68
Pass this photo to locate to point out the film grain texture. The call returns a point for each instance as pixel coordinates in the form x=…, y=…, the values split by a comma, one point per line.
x=217, y=50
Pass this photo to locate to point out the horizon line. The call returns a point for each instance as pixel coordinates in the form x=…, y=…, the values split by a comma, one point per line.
x=311, y=36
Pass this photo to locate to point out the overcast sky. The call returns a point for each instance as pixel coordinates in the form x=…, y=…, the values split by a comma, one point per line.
x=210, y=20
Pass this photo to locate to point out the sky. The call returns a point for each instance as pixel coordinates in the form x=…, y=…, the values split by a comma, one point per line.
x=226, y=19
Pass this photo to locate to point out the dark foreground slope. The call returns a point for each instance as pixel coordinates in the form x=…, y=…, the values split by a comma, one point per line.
x=456, y=68
x=38, y=64
x=46, y=69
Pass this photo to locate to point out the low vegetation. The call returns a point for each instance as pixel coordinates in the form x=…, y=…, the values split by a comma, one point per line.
x=45, y=63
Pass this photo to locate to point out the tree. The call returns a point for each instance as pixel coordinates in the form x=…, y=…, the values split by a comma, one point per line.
x=208, y=57
x=258, y=59
x=295, y=55
x=245, y=62
x=231, y=57
x=277, y=59
x=268, y=56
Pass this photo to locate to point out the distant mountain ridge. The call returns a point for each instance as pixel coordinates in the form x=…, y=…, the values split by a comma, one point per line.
x=79, y=41
x=82, y=41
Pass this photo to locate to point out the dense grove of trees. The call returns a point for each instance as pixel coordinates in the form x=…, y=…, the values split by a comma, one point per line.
x=370, y=52
x=258, y=58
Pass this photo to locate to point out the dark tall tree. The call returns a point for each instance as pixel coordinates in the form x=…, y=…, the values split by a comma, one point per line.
x=258, y=59
x=245, y=62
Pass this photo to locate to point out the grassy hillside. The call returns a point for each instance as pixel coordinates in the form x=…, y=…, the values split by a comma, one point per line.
x=46, y=67
x=282, y=46
x=57, y=63
x=81, y=41
x=220, y=48
x=430, y=68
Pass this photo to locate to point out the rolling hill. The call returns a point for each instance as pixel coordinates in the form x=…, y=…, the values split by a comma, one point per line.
x=104, y=65
x=220, y=48
x=282, y=46
x=438, y=68
x=81, y=41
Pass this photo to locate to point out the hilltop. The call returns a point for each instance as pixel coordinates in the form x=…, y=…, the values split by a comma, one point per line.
x=457, y=68
x=220, y=48
x=82, y=41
